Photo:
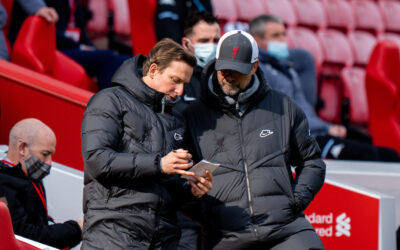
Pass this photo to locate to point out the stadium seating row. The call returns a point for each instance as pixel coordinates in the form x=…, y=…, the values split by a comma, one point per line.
x=375, y=17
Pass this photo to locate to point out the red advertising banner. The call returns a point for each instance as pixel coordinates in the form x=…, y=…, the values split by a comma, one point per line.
x=344, y=218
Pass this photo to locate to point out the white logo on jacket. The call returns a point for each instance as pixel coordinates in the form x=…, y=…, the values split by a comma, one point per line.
x=178, y=137
x=265, y=133
x=187, y=98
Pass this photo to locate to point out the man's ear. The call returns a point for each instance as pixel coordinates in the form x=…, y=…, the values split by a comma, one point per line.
x=255, y=67
x=185, y=43
x=152, y=70
x=22, y=146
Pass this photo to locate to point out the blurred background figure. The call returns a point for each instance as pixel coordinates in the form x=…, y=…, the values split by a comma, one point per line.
x=334, y=139
x=28, y=7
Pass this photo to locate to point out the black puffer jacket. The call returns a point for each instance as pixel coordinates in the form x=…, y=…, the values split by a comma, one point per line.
x=256, y=140
x=124, y=136
x=29, y=216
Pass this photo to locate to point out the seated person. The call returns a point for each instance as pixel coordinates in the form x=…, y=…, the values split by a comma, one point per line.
x=270, y=34
x=28, y=161
x=30, y=7
x=73, y=40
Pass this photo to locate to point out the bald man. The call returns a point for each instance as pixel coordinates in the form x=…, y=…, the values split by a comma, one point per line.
x=31, y=146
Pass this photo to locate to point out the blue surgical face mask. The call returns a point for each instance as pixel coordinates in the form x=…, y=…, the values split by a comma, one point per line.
x=278, y=49
x=204, y=53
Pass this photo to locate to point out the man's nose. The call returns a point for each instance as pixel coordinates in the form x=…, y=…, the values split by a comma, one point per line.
x=48, y=160
x=179, y=89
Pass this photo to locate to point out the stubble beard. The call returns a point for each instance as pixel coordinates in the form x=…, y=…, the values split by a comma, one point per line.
x=230, y=89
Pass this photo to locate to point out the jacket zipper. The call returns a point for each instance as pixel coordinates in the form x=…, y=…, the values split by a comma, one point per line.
x=247, y=178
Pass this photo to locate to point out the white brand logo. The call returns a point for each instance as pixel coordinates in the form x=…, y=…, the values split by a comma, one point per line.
x=178, y=137
x=167, y=2
x=265, y=133
x=187, y=98
x=343, y=225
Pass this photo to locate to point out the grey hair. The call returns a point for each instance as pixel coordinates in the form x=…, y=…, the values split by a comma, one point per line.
x=257, y=25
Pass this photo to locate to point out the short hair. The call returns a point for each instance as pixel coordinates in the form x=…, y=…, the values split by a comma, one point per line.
x=256, y=26
x=165, y=52
x=27, y=130
x=194, y=18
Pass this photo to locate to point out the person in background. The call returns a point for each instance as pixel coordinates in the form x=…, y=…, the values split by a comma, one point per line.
x=170, y=16
x=31, y=146
x=30, y=7
x=201, y=34
x=256, y=134
x=73, y=40
x=334, y=139
x=133, y=146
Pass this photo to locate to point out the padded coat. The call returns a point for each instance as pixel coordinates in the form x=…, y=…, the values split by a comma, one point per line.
x=256, y=140
x=127, y=200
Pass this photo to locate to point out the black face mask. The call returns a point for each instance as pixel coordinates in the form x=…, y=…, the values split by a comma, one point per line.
x=37, y=169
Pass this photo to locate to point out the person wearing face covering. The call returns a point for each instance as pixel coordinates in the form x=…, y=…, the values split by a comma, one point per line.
x=278, y=64
x=201, y=34
x=28, y=161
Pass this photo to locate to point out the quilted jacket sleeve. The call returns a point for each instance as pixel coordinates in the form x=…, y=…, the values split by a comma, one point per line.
x=310, y=169
x=101, y=132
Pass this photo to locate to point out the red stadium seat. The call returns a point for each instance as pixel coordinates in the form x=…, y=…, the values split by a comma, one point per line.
x=35, y=48
x=99, y=22
x=339, y=15
x=248, y=9
x=355, y=93
x=362, y=43
x=338, y=54
x=336, y=47
x=282, y=9
x=391, y=15
x=310, y=13
x=368, y=17
x=383, y=95
x=7, y=238
x=143, y=33
x=299, y=37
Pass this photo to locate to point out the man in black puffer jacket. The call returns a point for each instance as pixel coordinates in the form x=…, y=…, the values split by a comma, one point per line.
x=256, y=134
x=132, y=148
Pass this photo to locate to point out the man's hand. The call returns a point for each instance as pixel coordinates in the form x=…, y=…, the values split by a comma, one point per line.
x=176, y=161
x=202, y=184
x=338, y=131
x=48, y=14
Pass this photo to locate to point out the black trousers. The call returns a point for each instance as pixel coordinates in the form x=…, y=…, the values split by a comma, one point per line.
x=349, y=149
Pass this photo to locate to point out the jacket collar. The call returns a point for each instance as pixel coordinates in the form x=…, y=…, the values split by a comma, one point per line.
x=212, y=94
x=129, y=76
x=15, y=171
